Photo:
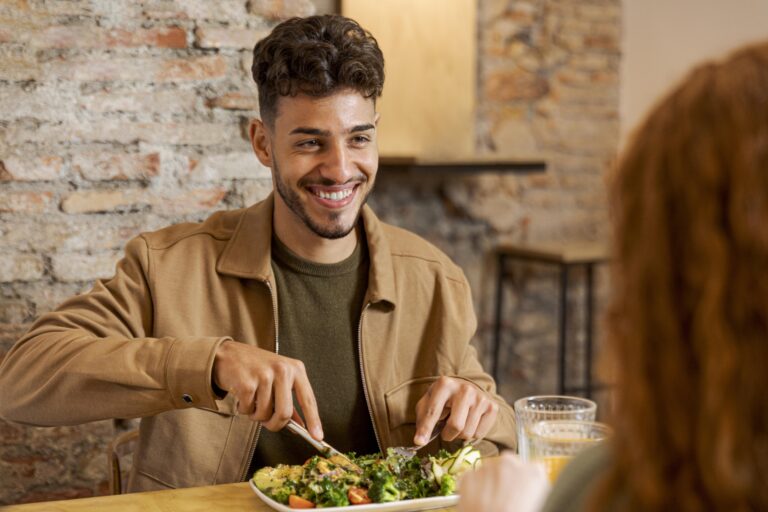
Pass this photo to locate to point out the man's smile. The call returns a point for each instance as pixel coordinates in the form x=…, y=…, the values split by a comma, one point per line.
x=334, y=197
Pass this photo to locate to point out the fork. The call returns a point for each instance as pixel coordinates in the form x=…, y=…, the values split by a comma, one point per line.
x=410, y=451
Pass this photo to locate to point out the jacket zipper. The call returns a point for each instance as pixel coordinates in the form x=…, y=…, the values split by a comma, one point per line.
x=362, y=375
x=252, y=445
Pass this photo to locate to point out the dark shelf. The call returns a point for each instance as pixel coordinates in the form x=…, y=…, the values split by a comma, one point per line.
x=416, y=165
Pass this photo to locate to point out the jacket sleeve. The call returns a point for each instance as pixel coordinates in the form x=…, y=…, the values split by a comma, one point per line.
x=94, y=357
x=469, y=368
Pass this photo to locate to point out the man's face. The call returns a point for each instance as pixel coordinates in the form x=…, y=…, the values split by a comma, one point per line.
x=324, y=159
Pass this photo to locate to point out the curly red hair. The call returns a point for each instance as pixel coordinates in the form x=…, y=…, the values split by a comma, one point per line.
x=688, y=322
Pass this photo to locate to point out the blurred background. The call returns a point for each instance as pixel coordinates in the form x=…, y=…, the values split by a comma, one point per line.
x=123, y=116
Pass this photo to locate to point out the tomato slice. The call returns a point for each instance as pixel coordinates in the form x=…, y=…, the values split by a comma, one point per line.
x=358, y=496
x=299, y=502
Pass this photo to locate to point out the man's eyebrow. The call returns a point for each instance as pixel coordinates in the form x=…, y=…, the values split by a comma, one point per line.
x=362, y=128
x=310, y=131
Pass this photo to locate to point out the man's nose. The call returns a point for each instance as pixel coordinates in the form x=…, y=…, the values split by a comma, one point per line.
x=338, y=164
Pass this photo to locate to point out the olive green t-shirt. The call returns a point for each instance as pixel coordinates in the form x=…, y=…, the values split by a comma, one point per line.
x=319, y=308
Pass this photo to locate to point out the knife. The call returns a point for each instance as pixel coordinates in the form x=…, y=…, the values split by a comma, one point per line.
x=324, y=448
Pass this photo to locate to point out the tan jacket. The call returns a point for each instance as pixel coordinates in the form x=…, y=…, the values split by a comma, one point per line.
x=142, y=344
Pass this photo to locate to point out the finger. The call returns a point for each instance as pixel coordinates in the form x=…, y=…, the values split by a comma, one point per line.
x=487, y=421
x=461, y=402
x=283, y=405
x=264, y=404
x=473, y=420
x=245, y=398
x=436, y=398
x=297, y=418
x=306, y=398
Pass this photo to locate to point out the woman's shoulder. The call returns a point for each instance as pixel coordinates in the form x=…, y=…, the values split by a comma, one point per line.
x=576, y=482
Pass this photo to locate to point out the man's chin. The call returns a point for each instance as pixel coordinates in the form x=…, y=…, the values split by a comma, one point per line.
x=332, y=232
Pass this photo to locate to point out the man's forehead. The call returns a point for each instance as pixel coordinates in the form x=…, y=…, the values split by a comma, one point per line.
x=341, y=110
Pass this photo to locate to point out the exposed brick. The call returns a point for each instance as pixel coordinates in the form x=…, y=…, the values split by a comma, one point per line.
x=240, y=38
x=199, y=69
x=190, y=201
x=127, y=132
x=19, y=66
x=73, y=36
x=9, y=335
x=147, y=101
x=25, y=202
x=75, y=266
x=241, y=165
x=281, y=9
x=116, y=166
x=31, y=169
x=45, y=102
x=514, y=84
x=252, y=192
x=146, y=69
x=13, y=311
x=199, y=10
x=91, y=201
x=20, y=267
x=235, y=101
x=9, y=433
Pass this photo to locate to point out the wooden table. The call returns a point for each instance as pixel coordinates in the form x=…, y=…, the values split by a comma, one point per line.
x=204, y=499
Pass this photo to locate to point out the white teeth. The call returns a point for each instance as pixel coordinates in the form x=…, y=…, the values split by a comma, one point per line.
x=335, y=196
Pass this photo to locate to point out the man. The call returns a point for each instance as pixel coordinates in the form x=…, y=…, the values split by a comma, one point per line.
x=209, y=331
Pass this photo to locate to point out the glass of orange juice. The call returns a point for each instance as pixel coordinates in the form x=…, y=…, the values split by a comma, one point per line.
x=533, y=409
x=554, y=443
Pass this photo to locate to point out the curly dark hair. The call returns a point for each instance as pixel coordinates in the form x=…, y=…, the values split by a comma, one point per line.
x=317, y=56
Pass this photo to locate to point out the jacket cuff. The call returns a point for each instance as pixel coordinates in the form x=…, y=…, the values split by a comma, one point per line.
x=188, y=372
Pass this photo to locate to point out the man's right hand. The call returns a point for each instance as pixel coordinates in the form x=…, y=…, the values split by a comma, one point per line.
x=263, y=382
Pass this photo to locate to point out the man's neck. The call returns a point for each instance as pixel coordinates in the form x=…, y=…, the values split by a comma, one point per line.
x=311, y=246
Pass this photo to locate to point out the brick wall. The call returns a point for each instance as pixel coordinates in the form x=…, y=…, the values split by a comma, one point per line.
x=121, y=116
x=116, y=117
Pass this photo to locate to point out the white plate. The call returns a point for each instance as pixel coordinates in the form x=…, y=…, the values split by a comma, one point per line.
x=417, y=504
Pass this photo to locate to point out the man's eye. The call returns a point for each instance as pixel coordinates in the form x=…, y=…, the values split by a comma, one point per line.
x=360, y=140
x=311, y=143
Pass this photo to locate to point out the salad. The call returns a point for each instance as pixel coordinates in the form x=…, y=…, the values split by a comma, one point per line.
x=333, y=482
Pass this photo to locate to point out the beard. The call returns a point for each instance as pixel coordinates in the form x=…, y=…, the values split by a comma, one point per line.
x=334, y=228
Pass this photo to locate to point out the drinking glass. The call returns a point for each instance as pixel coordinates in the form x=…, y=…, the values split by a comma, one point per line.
x=533, y=409
x=554, y=443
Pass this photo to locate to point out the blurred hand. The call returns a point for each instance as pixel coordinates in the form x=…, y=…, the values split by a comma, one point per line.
x=472, y=412
x=263, y=383
x=504, y=484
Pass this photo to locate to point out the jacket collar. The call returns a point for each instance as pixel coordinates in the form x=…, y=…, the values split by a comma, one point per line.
x=248, y=252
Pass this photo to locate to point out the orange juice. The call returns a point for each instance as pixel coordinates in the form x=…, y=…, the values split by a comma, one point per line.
x=553, y=464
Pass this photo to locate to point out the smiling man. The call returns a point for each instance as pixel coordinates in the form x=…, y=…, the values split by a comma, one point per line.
x=303, y=306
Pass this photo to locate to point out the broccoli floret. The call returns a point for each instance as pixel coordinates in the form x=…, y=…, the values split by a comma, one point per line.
x=281, y=494
x=383, y=488
x=331, y=494
x=447, y=485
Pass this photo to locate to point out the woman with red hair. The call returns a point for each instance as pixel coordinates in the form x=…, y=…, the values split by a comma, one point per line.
x=687, y=328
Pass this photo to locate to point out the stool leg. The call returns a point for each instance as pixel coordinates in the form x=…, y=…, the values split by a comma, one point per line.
x=562, y=360
x=588, y=339
x=497, y=318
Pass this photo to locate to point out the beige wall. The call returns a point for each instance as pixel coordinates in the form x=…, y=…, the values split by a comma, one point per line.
x=665, y=38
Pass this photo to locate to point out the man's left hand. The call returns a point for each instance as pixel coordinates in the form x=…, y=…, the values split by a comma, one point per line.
x=472, y=412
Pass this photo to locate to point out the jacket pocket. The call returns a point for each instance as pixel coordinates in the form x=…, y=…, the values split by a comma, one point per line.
x=227, y=406
x=401, y=401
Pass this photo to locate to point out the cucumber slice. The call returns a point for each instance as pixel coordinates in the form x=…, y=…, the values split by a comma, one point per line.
x=437, y=470
x=472, y=457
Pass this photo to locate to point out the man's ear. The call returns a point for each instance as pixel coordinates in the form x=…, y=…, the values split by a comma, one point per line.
x=376, y=119
x=260, y=141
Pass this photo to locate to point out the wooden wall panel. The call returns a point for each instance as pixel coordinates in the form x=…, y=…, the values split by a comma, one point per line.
x=430, y=51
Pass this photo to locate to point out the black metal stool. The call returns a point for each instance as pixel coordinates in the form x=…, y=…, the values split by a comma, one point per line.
x=565, y=257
